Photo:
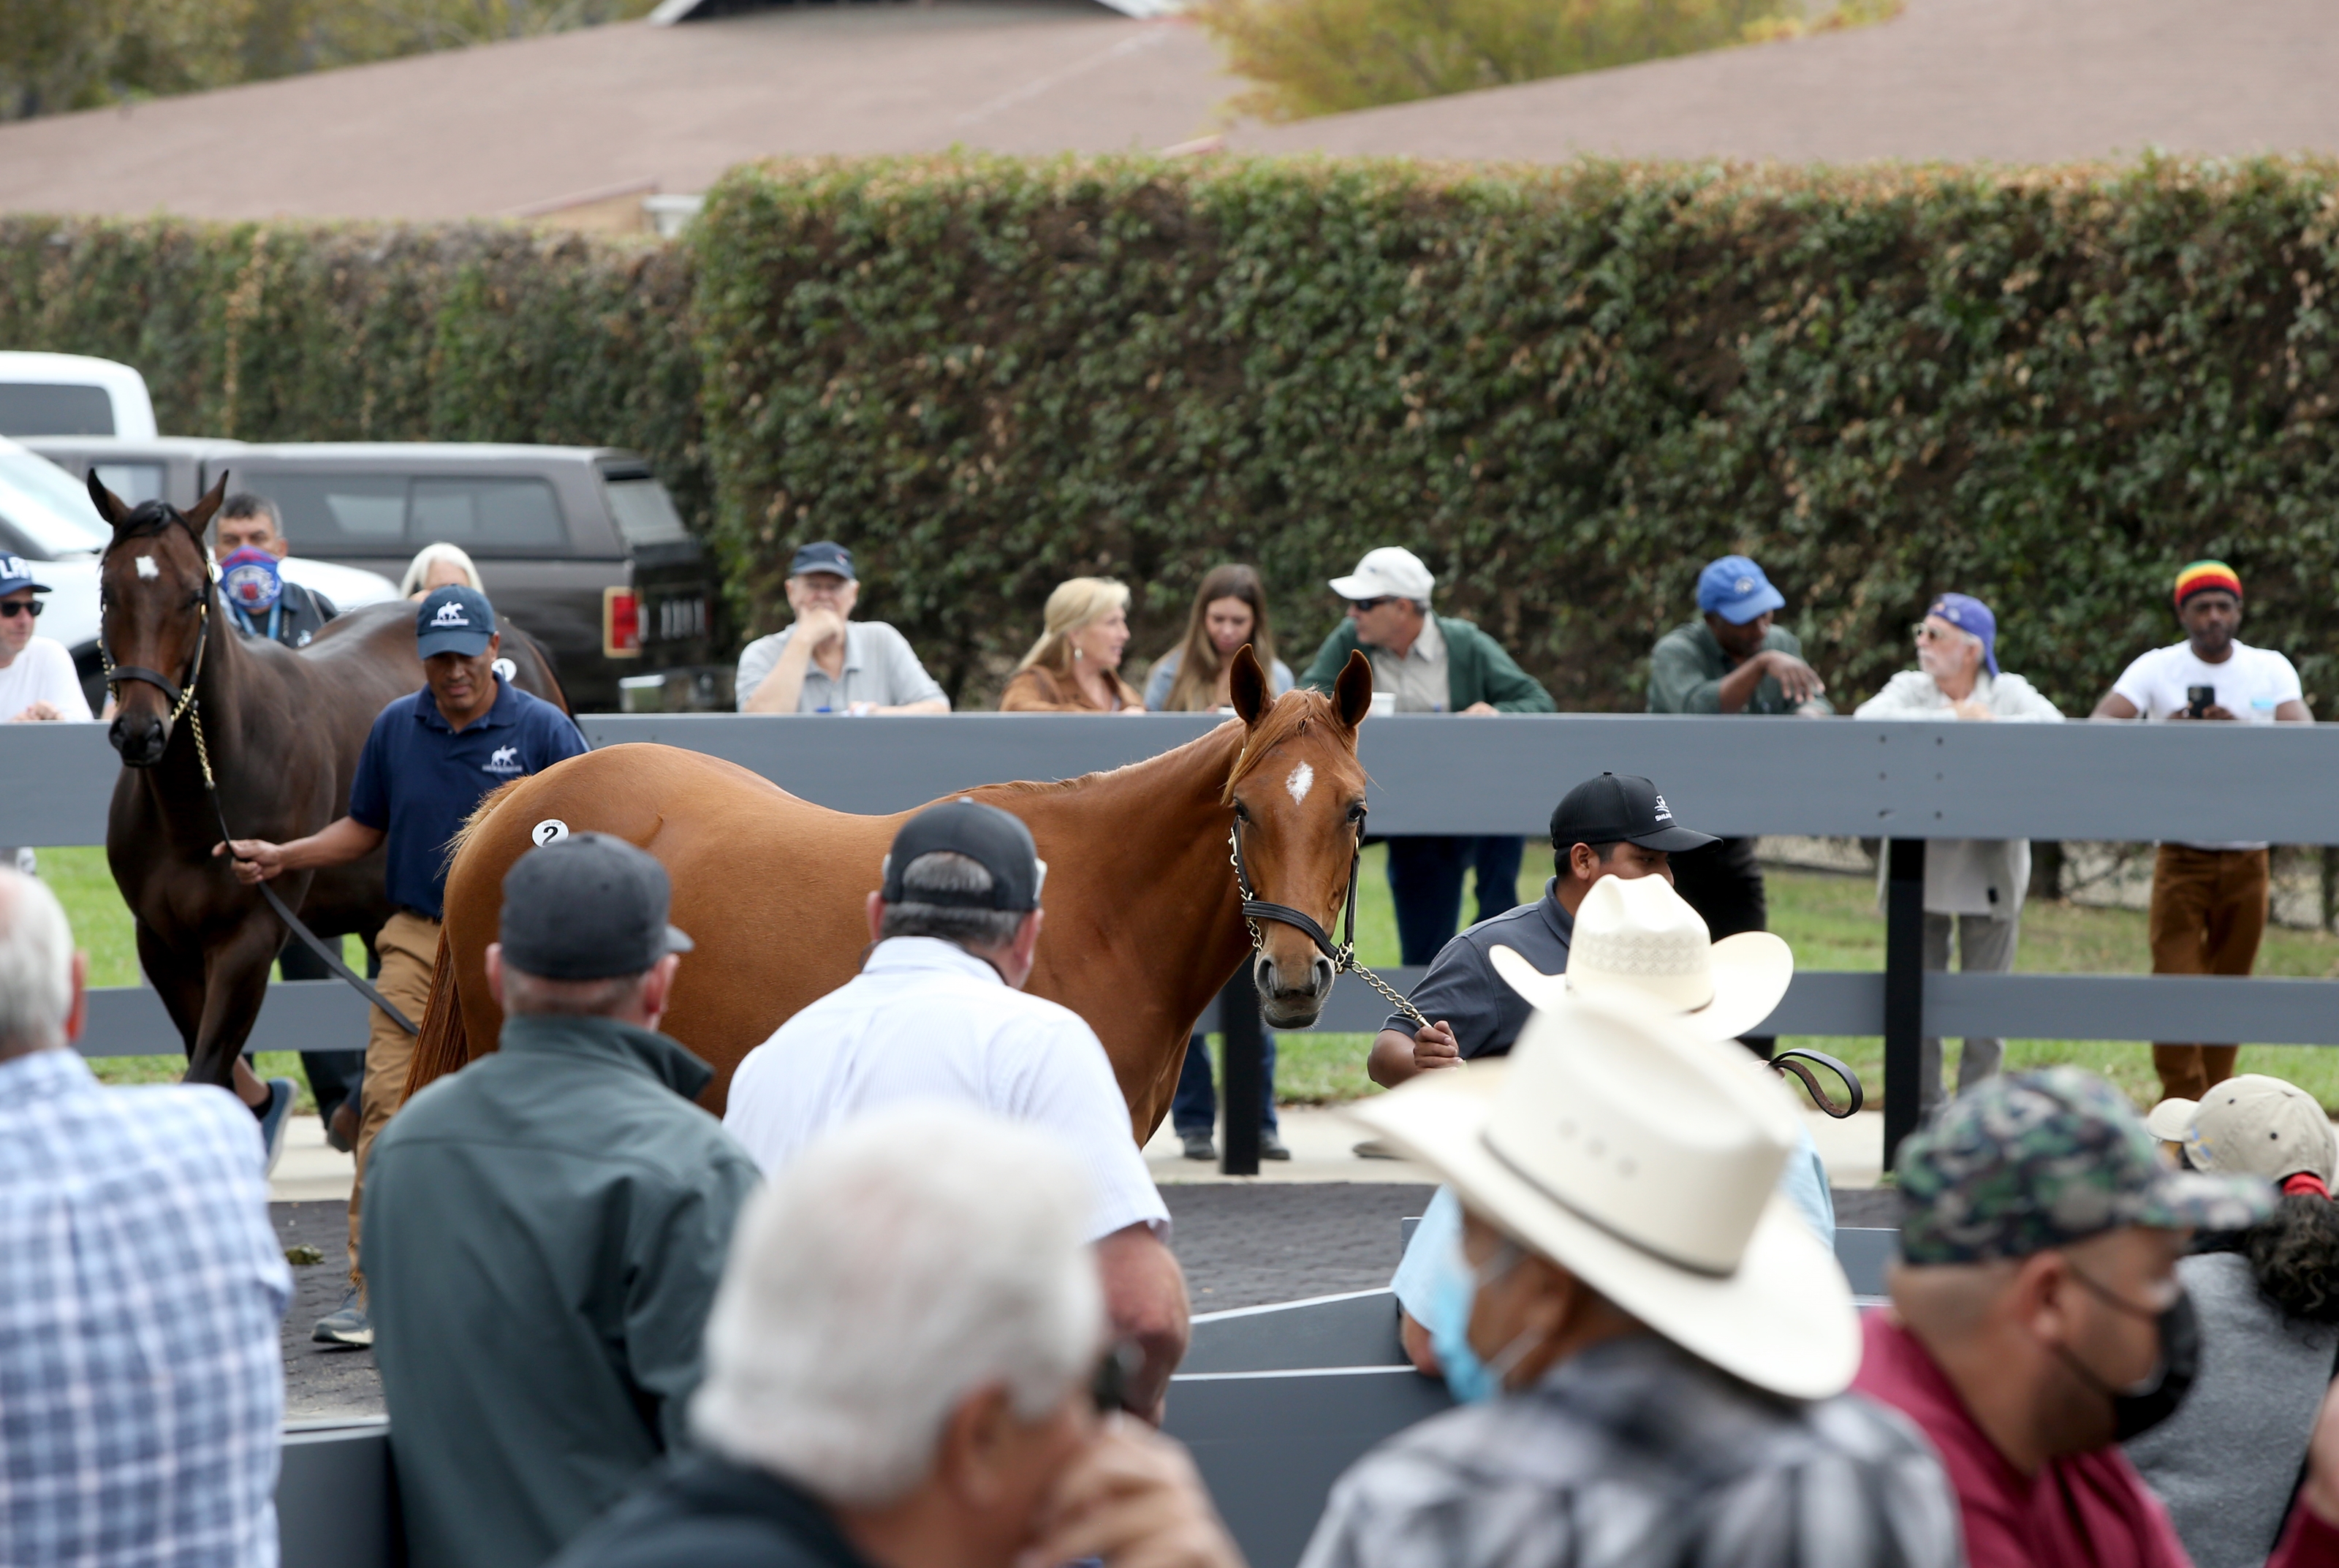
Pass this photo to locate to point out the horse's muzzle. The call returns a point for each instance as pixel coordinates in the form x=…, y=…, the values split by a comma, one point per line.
x=140, y=738
x=1285, y=1005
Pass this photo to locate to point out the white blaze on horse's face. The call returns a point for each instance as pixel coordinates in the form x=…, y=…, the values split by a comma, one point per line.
x=1302, y=780
x=147, y=569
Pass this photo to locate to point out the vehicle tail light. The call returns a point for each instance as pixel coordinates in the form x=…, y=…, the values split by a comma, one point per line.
x=621, y=624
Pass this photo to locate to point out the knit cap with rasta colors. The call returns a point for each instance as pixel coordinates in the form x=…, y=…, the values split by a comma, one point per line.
x=2202, y=576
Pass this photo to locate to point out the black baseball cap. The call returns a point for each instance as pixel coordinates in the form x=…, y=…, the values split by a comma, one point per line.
x=993, y=839
x=823, y=555
x=456, y=619
x=587, y=907
x=1621, y=808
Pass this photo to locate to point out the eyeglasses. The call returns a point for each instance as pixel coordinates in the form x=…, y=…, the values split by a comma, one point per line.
x=1366, y=607
x=10, y=609
x=1926, y=632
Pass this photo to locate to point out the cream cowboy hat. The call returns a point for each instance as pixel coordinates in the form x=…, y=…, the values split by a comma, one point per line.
x=1644, y=1157
x=1641, y=938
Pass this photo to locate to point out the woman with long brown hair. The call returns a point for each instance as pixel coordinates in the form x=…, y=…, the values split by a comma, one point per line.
x=1075, y=666
x=1230, y=610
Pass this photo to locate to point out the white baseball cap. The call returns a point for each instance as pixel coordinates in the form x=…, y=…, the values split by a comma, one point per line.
x=1391, y=572
x=2251, y=1125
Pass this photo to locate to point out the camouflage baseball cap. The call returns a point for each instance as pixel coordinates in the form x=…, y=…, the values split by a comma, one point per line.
x=2041, y=1160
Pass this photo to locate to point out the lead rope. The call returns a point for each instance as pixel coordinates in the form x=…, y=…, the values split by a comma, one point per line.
x=1343, y=955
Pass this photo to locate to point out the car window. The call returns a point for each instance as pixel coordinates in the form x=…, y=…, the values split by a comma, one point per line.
x=644, y=513
x=41, y=408
x=43, y=505
x=486, y=514
x=135, y=482
x=339, y=513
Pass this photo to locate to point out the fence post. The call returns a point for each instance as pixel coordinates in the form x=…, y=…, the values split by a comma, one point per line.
x=1904, y=990
x=1241, y=1066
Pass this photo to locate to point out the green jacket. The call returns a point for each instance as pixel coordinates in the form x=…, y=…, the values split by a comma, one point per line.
x=1477, y=670
x=1687, y=665
x=543, y=1232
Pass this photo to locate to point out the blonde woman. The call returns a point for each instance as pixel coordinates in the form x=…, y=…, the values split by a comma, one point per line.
x=440, y=565
x=1075, y=666
x=1230, y=610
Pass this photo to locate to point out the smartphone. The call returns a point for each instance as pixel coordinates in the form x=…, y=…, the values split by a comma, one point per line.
x=2199, y=700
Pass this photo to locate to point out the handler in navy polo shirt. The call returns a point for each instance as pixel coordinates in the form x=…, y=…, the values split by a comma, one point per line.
x=1614, y=825
x=430, y=757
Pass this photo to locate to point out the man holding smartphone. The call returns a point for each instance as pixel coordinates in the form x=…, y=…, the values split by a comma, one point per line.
x=2208, y=900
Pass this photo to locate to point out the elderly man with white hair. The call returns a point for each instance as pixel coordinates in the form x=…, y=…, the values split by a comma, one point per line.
x=142, y=1388
x=903, y=1370
x=1974, y=888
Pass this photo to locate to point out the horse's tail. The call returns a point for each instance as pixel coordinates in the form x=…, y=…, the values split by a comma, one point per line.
x=444, y=1045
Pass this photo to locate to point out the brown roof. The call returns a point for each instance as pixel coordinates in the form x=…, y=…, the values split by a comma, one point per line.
x=608, y=113
x=2009, y=81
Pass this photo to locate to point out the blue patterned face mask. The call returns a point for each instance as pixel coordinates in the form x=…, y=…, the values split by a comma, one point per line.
x=1454, y=1299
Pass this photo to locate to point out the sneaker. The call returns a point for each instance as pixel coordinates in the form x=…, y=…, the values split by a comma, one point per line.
x=1271, y=1147
x=346, y=1325
x=277, y=1117
x=1199, y=1146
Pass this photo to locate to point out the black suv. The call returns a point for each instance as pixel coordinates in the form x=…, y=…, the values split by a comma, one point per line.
x=579, y=544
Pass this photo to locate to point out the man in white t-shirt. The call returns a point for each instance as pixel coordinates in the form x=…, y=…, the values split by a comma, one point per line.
x=2208, y=900
x=938, y=1013
x=37, y=683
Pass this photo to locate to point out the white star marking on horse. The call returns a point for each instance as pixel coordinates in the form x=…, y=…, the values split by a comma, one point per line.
x=147, y=569
x=1302, y=780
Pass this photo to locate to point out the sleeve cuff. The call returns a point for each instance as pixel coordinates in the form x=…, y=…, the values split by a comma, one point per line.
x=2308, y=1542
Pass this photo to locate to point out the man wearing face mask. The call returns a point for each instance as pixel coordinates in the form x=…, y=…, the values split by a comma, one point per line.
x=2038, y=1322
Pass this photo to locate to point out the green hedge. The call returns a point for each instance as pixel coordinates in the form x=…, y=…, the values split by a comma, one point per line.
x=1565, y=389
x=362, y=332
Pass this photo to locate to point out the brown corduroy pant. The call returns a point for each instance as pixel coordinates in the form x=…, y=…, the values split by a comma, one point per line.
x=2208, y=911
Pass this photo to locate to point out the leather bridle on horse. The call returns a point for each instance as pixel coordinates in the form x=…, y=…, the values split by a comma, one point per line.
x=182, y=698
x=1343, y=955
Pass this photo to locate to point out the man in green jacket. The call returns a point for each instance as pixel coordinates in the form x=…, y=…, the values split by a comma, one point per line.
x=544, y=1230
x=1732, y=660
x=1429, y=663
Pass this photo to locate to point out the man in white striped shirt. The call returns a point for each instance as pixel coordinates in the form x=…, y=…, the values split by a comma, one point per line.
x=938, y=1013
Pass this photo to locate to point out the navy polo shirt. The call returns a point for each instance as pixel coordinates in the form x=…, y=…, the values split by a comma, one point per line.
x=417, y=778
x=1463, y=988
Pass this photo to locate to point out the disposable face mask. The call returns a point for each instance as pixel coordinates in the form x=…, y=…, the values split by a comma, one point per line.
x=1454, y=1299
x=2142, y=1406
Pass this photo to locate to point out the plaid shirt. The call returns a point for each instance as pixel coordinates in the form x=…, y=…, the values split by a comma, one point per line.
x=142, y=1387
x=1635, y=1454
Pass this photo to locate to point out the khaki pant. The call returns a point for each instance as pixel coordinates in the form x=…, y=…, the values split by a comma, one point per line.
x=2208, y=911
x=409, y=946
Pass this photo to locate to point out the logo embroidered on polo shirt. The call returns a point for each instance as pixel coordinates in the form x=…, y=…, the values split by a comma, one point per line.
x=504, y=763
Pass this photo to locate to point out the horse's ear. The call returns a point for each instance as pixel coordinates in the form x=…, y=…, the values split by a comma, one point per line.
x=109, y=505
x=1247, y=686
x=198, y=515
x=1352, y=694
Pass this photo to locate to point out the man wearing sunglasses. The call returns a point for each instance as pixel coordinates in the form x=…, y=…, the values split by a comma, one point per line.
x=1974, y=888
x=37, y=684
x=1429, y=663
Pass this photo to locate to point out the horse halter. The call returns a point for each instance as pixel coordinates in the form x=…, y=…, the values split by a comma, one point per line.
x=1344, y=955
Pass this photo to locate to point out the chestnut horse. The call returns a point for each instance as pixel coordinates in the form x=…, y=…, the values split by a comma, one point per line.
x=283, y=730
x=1144, y=921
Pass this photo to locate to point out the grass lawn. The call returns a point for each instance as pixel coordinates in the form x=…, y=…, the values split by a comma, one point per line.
x=1831, y=920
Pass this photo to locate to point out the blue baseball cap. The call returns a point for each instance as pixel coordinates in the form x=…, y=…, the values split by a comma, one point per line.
x=823, y=555
x=1734, y=588
x=454, y=620
x=1968, y=614
x=16, y=575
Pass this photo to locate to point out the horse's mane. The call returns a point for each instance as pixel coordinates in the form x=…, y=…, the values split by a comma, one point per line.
x=151, y=517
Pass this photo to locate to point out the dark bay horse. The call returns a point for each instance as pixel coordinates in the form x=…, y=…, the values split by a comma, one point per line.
x=1143, y=923
x=283, y=730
